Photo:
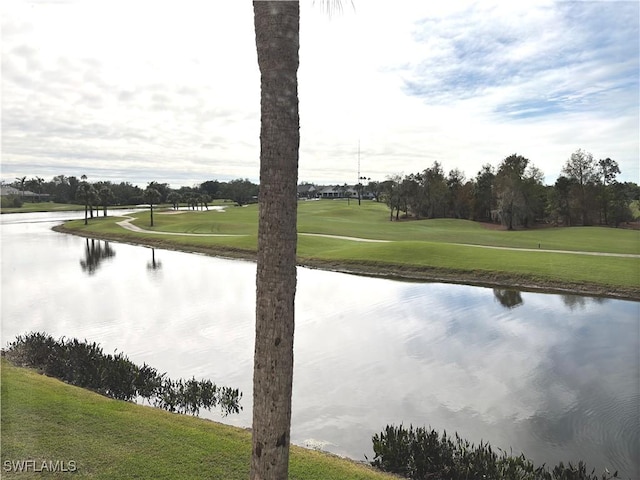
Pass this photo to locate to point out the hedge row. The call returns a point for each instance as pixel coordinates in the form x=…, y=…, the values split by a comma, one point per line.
x=85, y=365
x=421, y=453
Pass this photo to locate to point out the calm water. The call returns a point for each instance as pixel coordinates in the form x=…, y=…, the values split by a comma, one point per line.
x=557, y=377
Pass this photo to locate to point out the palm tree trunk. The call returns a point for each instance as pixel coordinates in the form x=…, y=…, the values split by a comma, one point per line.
x=277, y=41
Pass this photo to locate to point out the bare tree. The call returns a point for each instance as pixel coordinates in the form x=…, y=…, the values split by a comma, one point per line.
x=582, y=169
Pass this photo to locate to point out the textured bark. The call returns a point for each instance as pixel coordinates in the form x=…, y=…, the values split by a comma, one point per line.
x=277, y=42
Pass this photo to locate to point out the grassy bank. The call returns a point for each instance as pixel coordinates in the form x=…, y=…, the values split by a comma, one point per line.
x=441, y=249
x=44, y=419
x=30, y=207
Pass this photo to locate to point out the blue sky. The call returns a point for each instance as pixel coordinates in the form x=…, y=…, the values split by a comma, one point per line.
x=169, y=91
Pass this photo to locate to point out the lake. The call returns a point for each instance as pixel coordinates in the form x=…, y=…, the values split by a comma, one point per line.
x=554, y=376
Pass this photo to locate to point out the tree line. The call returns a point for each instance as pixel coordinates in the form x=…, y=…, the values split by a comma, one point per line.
x=69, y=189
x=513, y=194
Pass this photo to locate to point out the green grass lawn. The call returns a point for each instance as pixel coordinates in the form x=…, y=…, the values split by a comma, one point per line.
x=635, y=209
x=442, y=246
x=44, y=419
x=28, y=207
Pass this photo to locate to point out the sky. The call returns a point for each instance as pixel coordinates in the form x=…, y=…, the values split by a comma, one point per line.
x=169, y=91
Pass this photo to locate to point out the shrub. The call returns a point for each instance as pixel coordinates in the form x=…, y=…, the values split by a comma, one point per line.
x=86, y=365
x=422, y=454
x=10, y=201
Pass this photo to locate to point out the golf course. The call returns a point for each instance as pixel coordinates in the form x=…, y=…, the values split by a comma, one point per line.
x=344, y=236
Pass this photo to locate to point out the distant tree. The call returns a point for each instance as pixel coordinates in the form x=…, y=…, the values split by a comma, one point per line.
x=560, y=200
x=74, y=183
x=483, y=193
x=607, y=170
x=435, y=191
x=94, y=201
x=581, y=168
x=174, y=199
x=105, y=194
x=411, y=195
x=511, y=201
x=457, y=204
x=35, y=185
x=187, y=198
x=196, y=199
x=621, y=196
x=152, y=197
x=241, y=191
x=126, y=194
x=392, y=195
x=39, y=182
x=21, y=181
x=344, y=192
x=85, y=193
x=535, y=195
x=360, y=188
x=205, y=199
x=91, y=196
x=162, y=189
x=376, y=189
x=211, y=188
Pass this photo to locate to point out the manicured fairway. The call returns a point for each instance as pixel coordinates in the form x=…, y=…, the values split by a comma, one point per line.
x=444, y=249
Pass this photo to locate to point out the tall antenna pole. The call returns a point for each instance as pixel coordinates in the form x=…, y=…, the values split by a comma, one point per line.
x=358, y=186
x=358, y=162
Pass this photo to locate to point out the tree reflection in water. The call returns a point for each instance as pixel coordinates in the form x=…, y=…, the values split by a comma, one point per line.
x=574, y=302
x=154, y=265
x=95, y=252
x=508, y=298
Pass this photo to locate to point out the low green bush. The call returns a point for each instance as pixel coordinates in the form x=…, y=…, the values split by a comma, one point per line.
x=421, y=454
x=85, y=365
x=10, y=201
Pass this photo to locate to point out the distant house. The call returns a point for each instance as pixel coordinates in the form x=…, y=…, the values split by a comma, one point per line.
x=9, y=191
x=6, y=191
x=307, y=190
x=337, y=191
x=328, y=191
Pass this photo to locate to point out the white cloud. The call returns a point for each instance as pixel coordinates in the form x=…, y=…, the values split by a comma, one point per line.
x=169, y=91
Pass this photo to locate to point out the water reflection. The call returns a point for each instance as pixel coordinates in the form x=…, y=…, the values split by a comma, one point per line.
x=507, y=297
x=154, y=265
x=95, y=252
x=578, y=302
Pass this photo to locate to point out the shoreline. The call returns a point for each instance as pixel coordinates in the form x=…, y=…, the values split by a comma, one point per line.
x=408, y=273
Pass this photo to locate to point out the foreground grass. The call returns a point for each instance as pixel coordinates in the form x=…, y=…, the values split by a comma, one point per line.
x=440, y=249
x=44, y=419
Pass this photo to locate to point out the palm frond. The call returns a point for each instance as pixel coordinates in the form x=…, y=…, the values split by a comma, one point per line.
x=332, y=6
